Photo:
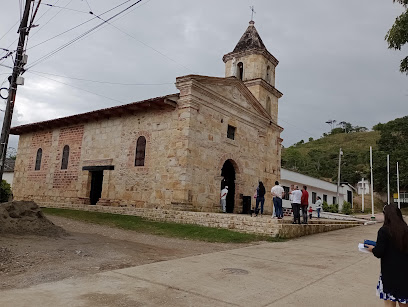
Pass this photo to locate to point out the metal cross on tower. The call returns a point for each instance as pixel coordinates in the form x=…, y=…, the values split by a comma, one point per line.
x=252, y=12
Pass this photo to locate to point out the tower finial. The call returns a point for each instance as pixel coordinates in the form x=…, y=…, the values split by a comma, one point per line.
x=252, y=12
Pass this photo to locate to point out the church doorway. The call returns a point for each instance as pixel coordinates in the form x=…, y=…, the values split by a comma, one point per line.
x=228, y=172
x=96, y=186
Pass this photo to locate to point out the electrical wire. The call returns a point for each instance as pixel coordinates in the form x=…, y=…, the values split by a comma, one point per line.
x=62, y=7
x=48, y=55
x=9, y=30
x=77, y=26
x=102, y=82
x=79, y=88
x=141, y=42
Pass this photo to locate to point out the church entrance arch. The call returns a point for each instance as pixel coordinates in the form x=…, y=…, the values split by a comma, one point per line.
x=229, y=173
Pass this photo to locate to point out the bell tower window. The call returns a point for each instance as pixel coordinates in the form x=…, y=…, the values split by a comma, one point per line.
x=240, y=71
x=268, y=74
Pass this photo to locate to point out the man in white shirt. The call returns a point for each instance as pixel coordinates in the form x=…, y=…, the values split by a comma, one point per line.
x=296, y=200
x=224, y=193
x=277, y=194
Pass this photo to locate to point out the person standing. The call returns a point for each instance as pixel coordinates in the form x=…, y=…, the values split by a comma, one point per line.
x=310, y=210
x=224, y=193
x=392, y=248
x=296, y=199
x=318, y=206
x=292, y=187
x=260, y=197
x=304, y=203
x=277, y=194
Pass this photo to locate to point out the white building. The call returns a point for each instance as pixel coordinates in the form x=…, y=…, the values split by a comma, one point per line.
x=363, y=188
x=316, y=187
x=8, y=174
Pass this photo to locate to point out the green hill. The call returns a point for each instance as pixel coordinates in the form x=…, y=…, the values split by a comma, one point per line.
x=319, y=158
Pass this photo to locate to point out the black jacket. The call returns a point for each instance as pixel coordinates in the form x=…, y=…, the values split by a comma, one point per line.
x=394, y=265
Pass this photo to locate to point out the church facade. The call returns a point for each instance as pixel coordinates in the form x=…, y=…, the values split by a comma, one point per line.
x=170, y=152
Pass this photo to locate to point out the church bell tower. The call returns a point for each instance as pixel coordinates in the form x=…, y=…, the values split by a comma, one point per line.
x=255, y=66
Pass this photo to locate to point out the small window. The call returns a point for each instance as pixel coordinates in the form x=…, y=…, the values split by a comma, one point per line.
x=325, y=198
x=65, y=156
x=313, y=197
x=140, y=151
x=268, y=105
x=240, y=71
x=334, y=200
x=286, y=190
x=268, y=74
x=38, y=159
x=231, y=132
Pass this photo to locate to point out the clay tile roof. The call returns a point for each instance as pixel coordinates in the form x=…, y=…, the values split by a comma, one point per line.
x=158, y=103
x=250, y=40
x=9, y=165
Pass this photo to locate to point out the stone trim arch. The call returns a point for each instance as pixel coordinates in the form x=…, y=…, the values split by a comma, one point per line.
x=234, y=160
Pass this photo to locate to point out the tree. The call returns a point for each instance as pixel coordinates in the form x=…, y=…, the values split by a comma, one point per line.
x=393, y=141
x=5, y=191
x=397, y=36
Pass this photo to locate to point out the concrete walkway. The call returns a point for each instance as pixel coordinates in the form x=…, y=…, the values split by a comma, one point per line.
x=320, y=270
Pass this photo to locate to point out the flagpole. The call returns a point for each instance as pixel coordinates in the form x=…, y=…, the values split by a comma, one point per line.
x=399, y=203
x=362, y=197
x=372, y=189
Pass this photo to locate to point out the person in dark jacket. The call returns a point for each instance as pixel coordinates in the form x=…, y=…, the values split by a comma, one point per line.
x=260, y=197
x=392, y=249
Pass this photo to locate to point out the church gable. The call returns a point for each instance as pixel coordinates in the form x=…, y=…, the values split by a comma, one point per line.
x=229, y=92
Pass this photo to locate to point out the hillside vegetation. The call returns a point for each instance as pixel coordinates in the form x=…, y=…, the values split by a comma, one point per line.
x=319, y=158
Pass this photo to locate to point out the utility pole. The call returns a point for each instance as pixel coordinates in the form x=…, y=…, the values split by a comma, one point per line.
x=338, y=180
x=18, y=65
x=372, y=184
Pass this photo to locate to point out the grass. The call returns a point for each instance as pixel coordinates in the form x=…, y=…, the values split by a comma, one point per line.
x=167, y=229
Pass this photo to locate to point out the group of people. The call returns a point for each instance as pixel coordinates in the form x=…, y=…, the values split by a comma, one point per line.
x=299, y=200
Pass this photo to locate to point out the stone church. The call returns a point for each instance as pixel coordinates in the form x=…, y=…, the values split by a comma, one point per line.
x=170, y=152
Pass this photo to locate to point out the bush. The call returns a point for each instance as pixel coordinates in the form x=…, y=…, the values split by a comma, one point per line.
x=5, y=191
x=330, y=208
x=325, y=207
x=347, y=208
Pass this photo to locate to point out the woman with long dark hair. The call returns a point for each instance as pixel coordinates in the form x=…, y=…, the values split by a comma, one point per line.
x=392, y=249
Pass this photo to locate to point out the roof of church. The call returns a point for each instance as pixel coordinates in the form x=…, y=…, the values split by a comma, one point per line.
x=158, y=103
x=250, y=39
x=250, y=43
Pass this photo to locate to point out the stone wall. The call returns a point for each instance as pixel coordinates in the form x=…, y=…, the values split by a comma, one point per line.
x=241, y=223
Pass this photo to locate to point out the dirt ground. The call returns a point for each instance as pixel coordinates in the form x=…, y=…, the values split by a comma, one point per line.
x=87, y=249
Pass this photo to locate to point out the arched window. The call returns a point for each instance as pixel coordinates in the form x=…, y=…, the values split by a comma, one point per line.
x=65, y=156
x=268, y=105
x=140, y=151
x=240, y=70
x=38, y=160
x=268, y=74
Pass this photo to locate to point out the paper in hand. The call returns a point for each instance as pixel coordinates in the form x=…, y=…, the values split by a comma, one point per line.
x=362, y=249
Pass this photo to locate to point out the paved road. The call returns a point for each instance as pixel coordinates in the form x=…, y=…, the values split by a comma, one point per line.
x=319, y=270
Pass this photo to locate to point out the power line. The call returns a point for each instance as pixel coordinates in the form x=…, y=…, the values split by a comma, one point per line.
x=41, y=59
x=9, y=30
x=79, y=88
x=61, y=7
x=98, y=81
x=77, y=26
x=162, y=54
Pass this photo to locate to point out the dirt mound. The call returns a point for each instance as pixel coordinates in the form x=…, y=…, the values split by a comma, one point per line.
x=25, y=218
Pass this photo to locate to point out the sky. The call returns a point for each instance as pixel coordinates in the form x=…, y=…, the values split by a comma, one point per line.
x=333, y=59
